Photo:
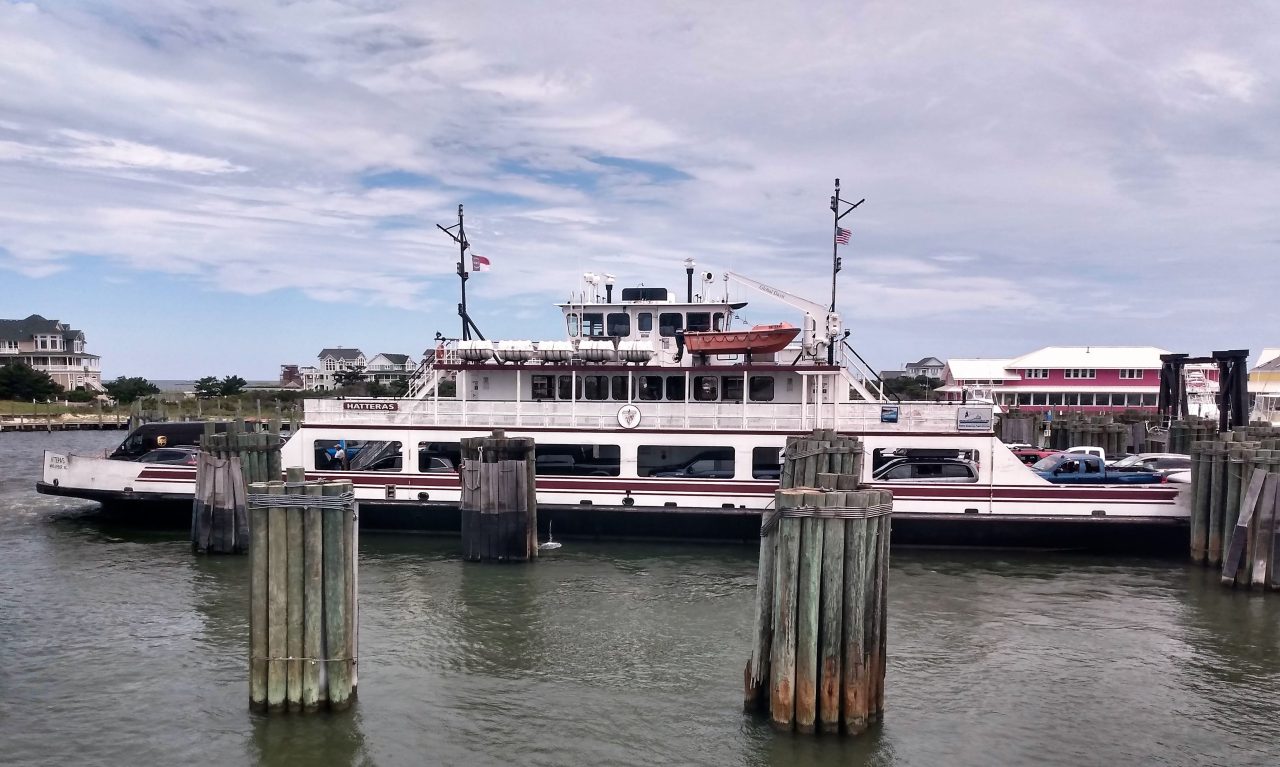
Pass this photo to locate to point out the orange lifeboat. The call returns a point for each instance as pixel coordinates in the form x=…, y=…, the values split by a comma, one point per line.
x=761, y=339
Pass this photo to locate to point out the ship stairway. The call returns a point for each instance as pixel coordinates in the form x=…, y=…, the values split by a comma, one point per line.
x=427, y=377
x=860, y=377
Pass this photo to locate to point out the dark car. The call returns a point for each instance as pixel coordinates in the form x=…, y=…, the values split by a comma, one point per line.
x=927, y=469
x=185, y=456
x=702, y=467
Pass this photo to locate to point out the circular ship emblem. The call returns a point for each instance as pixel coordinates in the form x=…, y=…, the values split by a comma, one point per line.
x=628, y=416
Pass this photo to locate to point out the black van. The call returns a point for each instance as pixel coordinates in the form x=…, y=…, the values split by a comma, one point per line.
x=150, y=436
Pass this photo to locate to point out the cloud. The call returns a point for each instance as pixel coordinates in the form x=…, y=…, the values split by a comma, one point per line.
x=1017, y=159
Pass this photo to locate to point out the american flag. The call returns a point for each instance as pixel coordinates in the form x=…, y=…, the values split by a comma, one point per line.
x=479, y=263
x=842, y=235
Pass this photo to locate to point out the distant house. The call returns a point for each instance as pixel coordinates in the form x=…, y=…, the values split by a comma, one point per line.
x=52, y=347
x=889, y=375
x=929, y=367
x=388, y=368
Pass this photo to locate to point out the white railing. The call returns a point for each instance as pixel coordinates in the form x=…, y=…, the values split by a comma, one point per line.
x=754, y=416
x=426, y=377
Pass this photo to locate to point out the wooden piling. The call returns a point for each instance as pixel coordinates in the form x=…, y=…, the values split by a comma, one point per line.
x=830, y=661
x=277, y=600
x=1217, y=502
x=312, y=601
x=782, y=659
x=823, y=570
x=336, y=570
x=1199, y=502
x=296, y=547
x=258, y=608
x=807, y=603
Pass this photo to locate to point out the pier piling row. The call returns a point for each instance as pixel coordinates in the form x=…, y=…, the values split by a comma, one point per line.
x=818, y=656
x=499, y=499
x=227, y=464
x=303, y=595
x=1235, y=494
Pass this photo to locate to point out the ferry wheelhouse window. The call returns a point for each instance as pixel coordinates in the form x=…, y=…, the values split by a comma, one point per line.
x=706, y=388
x=619, y=324
x=358, y=455
x=592, y=324
x=566, y=388
x=669, y=323
x=543, y=387
x=596, y=387
x=766, y=463
x=571, y=321
x=685, y=461
x=650, y=387
x=644, y=322
x=699, y=321
x=439, y=457
x=578, y=460
x=732, y=391
x=675, y=388
x=717, y=321
x=761, y=388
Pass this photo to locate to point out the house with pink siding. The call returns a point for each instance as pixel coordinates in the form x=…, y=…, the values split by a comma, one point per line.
x=1090, y=379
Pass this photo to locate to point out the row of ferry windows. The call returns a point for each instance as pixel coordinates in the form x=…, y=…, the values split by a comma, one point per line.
x=703, y=462
x=650, y=388
x=618, y=324
x=1077, y=399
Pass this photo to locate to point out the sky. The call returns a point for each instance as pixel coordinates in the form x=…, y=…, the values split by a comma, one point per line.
x=215, y=188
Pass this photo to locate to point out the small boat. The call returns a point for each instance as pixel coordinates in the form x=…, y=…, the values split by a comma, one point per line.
x=761, y=339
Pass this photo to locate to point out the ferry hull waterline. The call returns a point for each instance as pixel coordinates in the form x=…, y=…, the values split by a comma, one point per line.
x=639, y=432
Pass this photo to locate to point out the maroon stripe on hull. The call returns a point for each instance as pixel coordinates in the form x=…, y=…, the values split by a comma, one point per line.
x=517, y=430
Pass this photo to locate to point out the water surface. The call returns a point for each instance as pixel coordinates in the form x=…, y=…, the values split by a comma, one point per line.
x=120, y=647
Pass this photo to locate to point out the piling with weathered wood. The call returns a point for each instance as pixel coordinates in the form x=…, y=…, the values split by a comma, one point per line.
x=1235, y=506
x=818, y=656
x=302, y=598
x=499, y=499
x=225, y=467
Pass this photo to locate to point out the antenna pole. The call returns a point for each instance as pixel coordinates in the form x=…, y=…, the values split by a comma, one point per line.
x=460, y=237
x=836, y=204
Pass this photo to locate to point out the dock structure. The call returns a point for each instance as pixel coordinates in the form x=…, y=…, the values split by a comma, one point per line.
x=499, y=499
x=1235, y=506
x=303, y=595
x=227, y=464
x=819, y=649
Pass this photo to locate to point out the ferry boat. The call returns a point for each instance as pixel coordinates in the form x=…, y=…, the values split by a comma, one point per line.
x=638, y=428
x=656, y=416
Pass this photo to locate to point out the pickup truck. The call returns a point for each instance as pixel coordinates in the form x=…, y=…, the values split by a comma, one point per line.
x=1081, y=469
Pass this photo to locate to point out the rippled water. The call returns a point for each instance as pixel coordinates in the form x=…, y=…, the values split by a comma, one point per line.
x=118, y=646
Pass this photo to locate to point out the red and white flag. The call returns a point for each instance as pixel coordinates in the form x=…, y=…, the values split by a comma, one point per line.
x=479, y=263
x=842, y=235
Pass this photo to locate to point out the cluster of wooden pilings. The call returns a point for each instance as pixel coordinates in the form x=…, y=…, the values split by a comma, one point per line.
x=1188, y=430
x=499, y=499
x=1235, y=506
x=227, y=464
x=818, y=656
x=303, y=608
x=1073, y=429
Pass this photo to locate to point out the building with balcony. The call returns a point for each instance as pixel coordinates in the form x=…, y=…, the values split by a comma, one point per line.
x=388, y=369
x=51, y=347
x=1092, y=379
x=929, y=367
x=1264, y=386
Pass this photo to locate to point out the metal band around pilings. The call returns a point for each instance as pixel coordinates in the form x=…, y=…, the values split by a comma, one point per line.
x=770, y=520
x=825, y=451
x=353, y=659
x=264, y=500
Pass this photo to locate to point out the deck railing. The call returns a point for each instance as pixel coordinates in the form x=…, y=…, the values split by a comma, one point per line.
x=753, y=416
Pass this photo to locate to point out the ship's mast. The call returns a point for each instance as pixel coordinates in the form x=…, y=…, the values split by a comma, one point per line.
x=836, y=204
x=460, y=237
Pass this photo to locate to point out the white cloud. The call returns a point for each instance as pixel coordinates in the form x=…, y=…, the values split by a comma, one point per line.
x=1002, y=148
